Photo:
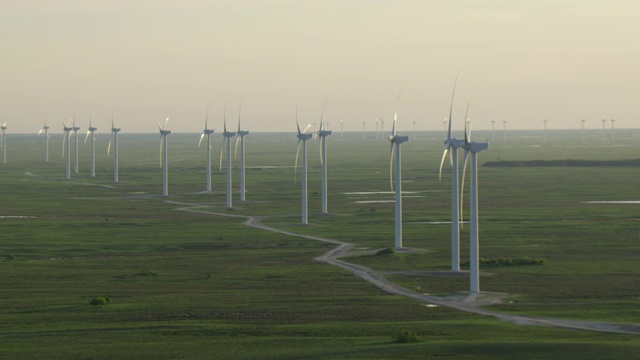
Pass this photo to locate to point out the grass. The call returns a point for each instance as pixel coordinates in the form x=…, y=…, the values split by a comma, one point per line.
x=192, y=285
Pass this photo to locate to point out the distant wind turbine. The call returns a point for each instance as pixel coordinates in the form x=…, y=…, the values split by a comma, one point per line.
x=545, y=130
x=396, y=140
x=493, y=129
x=473, y=148
x=504, y=130
x=613, y=132
x=341, y=130
x=114, y=137
x=45, y=129
x=377, y=133
x=66, y=152
x=364, y=129
x=604, y=134
x=322, y=136
x=583, y=134
x=3, y=143
x=163, y=157
x=93, y=147
x=207, y=132
x=303, y=136
x=227, y=138
x=240, y=141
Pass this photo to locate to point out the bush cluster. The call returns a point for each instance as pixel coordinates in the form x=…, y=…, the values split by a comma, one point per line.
x=407, y=336
x=99, y=301
x=386, y=251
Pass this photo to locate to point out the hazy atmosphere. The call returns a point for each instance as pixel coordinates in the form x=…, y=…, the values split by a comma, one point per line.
x=519, y=61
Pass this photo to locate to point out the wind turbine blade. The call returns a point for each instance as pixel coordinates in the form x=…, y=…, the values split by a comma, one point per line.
x=295, y=167
x=307, y=128
x=239, y=112
x=321, y=157
x=165, y=123
x=467, y=131
x=444, y=155
x=87, y=137
x=222, y=151
x=224, y=117
x=455, y=83
x=200, y=142
x=322, y=113
x=64, y=141
x=297, y=122
x=206, y=119
x=395, y=115
x=235, y=154
x=391, y=167
x=464, y=174
x=159, y=127
x=40, y=132
x=109, y=146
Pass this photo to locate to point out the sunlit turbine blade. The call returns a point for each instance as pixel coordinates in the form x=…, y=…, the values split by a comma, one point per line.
x=295, y=167
x=40, y=132
x=165, y=123
x=64, y=140
x=297, y=122
x=109, y=146
x=235, y=154
x=321, y=158
x=464, y=174
x=391, y=167
x=206, y=118
x=200, y=142
x=455, y=83
x=324, y=103
x=86, y=137
x=222, y=150
x=444, y=155
x=161, y=142
x=307, y=128
x=467, y=131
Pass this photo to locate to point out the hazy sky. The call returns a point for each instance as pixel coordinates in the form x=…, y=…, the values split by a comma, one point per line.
x=519, y=60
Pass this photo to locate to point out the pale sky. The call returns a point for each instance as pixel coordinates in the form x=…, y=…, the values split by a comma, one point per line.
x=519, y=60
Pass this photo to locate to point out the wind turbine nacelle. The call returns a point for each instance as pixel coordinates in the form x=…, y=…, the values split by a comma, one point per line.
x=229, y=134
x=93, y=129
x=165, y=132
x=75, y=128
x=399, y=139
x=208, y=131
x=475, y=147
x=324, y=133
x=305, y=137
x=115, y=130
x=456, y=143
x=242, y=133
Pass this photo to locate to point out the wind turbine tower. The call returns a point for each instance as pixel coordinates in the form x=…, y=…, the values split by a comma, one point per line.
x=45, y=129
x=414, y=131
x=227, y=138
x=163, y=157
x=396, y=140
x=504, y=130
x=75, y=145
x=303, y=136
x=114, y=136
x=493, y=129
x=93, y=147
x=207, y=132
x=66, y=152
x=4, y=145
x=322, y=136
x=240, y=141
x=474, y=245
x=613, y=133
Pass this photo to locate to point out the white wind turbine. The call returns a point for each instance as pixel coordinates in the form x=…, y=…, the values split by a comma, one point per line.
x=66, y=151
x=451, y=149
x=93, y=147
x=474, y=245
x=240, y=141
x=227, y=138
x=207, y=132
x=3, y=143
x=322, y=136
x=45, y=129
x=114, y=137
x=396, y=140
x=163, y=157
x=75, y=146
x=303, y=136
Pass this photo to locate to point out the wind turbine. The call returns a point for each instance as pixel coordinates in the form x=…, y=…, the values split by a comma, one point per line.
x=66, y=152
x=377, y=133
x=93, y=147
x=504, y=130
x=396, y=140
x=207, y=132
x=302, y=140
x=322, y=136
x=583, y=135
x=75, y=146
x=451, y=148
x=240, y=141
x=114, y=137
x=474, y=260
x=604, y=134
x=342, y=129
x=364, y=129
x=493, y=129
x=163, y=157
x=414, y=131
x=545, y=129
x=45, y=129
x=227, y=138
x=3, y=143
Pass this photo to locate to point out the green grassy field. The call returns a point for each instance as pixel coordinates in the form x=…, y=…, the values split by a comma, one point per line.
x=184, y=285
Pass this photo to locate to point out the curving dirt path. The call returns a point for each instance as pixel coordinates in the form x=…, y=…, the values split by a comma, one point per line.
x=468, y=303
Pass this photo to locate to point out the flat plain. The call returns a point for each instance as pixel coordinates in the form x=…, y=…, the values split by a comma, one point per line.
x=192, y=285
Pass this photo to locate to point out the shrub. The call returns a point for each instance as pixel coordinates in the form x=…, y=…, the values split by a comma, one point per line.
x=99, y=301
x=406, y=336
x=387, y=251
